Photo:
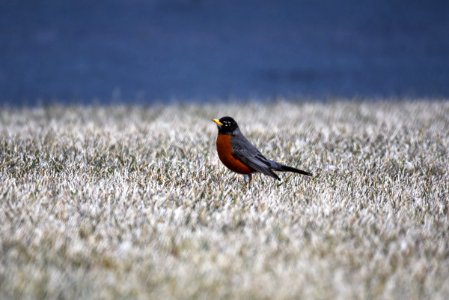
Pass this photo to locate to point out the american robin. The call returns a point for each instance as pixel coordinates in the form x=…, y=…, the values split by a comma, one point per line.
x=240, y=156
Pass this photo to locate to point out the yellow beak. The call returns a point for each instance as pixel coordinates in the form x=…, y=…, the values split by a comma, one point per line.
x=216, y=121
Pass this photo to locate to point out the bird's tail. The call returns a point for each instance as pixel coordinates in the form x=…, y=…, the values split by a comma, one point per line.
x=285, y=168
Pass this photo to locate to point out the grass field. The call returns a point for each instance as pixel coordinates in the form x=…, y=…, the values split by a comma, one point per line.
x=114, y=202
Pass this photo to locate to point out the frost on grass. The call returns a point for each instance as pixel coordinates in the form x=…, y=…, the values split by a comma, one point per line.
x=132, y=202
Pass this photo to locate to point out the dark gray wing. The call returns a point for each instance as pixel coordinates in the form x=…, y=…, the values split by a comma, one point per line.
x=248, y=154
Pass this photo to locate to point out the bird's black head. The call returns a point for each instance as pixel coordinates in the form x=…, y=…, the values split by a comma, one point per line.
x=226, y=125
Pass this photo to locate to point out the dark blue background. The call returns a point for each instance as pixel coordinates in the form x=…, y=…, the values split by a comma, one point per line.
x=144, y=51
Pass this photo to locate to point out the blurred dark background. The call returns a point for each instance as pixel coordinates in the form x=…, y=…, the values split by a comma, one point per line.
x=146, y=51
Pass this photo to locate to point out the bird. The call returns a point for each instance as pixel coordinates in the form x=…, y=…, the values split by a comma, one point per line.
x=242, y=157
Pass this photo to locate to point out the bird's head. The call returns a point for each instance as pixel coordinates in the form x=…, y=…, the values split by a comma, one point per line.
x=226, y=125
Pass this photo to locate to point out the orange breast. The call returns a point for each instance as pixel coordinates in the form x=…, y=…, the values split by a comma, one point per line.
x=224, y=148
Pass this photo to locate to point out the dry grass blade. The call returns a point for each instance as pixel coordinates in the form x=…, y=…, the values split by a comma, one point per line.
x=132, y=202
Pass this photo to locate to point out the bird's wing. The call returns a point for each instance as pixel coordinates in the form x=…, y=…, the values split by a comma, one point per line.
x=248, y=154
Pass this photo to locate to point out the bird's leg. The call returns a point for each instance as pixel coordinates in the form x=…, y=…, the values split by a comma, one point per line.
x=248, y=177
